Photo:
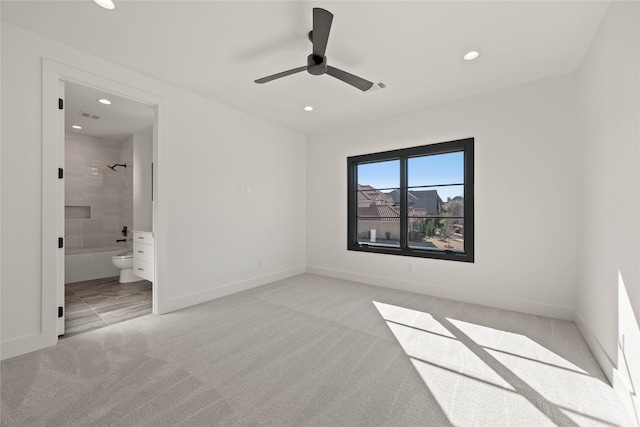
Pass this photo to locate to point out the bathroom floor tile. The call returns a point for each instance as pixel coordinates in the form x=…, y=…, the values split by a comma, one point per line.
x=77, y=309
x=102, y=296
x=84, y=327
x=127, y=313
x=120, y=303
x=138, y=286
x=98, y=303
x=71, y=298
x=77, y=319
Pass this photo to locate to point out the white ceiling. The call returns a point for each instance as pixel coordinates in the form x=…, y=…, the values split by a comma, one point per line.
x=116, y=122
x=217, y=49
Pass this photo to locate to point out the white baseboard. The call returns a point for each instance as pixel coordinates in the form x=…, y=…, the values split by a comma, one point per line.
x=506, y=303
x=24, y=345
x=617, y=381
x=606, y=364
x=227, y=289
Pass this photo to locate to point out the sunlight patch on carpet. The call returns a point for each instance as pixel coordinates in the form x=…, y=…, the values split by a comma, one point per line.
x=482, y=375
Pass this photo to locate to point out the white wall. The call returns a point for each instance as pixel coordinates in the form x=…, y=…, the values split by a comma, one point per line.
x=142, y=159
x=525, y=205
x=218, y=235
x=609, y=197
x=217, y=240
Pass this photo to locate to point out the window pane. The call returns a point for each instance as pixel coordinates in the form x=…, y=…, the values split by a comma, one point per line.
x=436, y=169
x=447, y=200
x=436, y=233
x=379, y=175
x=378, y=216
x=379, y=231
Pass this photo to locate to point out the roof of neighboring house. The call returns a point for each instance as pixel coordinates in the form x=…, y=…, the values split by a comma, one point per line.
x=417, y=212
x=395, y=195
x=427, y=199
x=367, y=192
x=387, y=213
x=425, y=194
x=379, y=213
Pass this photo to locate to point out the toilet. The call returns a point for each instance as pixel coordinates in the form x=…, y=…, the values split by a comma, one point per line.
x=124, y=261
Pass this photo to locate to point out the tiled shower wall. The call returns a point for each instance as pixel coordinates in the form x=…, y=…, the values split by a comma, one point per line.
x=107, y=193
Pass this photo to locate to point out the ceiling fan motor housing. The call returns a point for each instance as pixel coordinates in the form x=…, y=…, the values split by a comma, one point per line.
x=316, y=65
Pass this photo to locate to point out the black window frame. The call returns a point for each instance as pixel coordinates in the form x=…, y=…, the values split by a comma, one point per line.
x=461, y=145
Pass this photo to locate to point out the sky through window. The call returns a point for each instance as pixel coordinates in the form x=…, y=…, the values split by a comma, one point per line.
x=435, y=169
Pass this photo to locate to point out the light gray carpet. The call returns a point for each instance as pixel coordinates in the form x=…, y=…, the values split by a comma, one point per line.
x=312, y=350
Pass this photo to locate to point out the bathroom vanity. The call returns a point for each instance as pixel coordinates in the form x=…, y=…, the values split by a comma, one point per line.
x=143, y=249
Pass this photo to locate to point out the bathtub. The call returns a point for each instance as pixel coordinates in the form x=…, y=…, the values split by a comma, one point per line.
x=89, y=264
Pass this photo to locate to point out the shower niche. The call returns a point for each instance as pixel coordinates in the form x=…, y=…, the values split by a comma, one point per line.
x=77, y=212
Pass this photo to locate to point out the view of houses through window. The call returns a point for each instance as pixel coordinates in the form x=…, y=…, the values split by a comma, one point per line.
x=435, y=202
x=422, y=189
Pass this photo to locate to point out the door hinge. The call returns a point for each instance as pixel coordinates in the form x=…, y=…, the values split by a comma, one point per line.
x=60, y=242
x=60, y=173
x=60, y=311
x=60, y=104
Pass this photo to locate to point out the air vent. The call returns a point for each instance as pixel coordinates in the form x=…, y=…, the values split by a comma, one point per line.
x=377, y=86
x=88, y=115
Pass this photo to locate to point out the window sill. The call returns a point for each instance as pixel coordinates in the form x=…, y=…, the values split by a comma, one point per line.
x=416, y=253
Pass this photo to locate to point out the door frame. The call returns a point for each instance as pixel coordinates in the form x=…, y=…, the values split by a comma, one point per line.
x=53, y=207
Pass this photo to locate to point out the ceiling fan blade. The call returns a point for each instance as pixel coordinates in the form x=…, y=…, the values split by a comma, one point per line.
x=321, y=26
x=282, y=74
x=349, y=78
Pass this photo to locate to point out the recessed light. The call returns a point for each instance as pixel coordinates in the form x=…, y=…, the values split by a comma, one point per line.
x=471, y=55
x=308, y=108
x=76, y=127
x=107, y=4
x=104, y=101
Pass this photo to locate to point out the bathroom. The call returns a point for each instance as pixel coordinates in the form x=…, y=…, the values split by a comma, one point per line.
x=108, y=195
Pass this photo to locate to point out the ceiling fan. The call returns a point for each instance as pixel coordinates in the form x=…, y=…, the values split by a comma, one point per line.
x=317, y=61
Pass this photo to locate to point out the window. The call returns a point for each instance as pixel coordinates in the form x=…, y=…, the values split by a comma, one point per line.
x=413, y=202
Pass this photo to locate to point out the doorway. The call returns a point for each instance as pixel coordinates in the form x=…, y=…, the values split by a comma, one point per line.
x=108, y=153
x=55, y=77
